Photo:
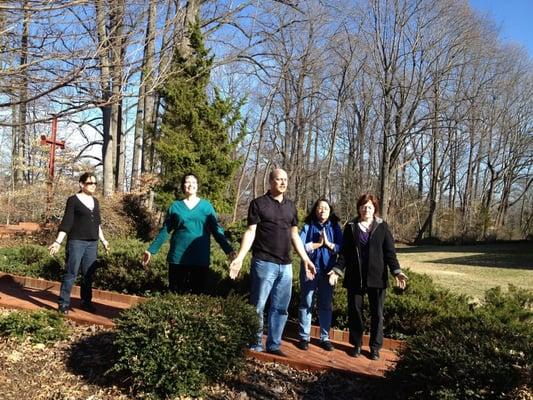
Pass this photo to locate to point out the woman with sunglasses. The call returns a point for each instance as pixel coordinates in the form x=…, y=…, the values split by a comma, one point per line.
x=81, y=225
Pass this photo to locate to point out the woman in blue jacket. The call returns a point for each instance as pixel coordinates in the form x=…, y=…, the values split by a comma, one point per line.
x=322, y=237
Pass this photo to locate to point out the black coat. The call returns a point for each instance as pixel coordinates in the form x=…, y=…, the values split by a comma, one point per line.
x=381, y=255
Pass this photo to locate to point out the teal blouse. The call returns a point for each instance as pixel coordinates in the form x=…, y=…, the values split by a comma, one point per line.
x=190, y=231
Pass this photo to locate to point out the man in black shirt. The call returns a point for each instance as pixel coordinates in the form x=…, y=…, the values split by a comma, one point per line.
x=272, y=226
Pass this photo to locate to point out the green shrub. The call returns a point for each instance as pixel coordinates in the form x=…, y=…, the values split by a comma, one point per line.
x=235, y=231
x=37, y=326
x=146, y=225
x=174, y=345
x=414, y=310
x=466, y=357
x=121, y=269
x=406, y=313
x=513, y=308
x=31, y=260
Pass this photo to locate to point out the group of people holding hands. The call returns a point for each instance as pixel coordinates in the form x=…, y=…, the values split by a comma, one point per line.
x=363, y=254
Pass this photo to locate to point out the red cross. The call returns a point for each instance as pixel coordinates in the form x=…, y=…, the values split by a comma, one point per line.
x=53, y=142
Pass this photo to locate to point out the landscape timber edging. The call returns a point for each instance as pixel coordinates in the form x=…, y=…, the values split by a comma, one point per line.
x=98, y=294
x=343, y=336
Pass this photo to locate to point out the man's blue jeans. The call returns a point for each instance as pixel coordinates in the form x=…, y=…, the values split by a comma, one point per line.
x=80, y=254
x=324, y=297
x=274, y=280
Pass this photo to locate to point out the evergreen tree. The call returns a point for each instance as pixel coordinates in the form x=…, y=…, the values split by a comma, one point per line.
x=194, y=128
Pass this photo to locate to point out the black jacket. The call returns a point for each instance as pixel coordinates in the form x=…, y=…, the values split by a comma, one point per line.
x=381, y=255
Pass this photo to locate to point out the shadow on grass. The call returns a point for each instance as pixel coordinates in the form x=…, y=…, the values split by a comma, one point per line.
x=499, y=255
x=93, y=358
x=523, y=247
x=491, y=260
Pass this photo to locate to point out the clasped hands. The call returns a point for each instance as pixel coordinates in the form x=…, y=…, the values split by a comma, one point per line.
x=324, y=241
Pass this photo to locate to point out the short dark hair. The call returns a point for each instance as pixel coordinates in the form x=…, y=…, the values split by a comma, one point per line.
x=312, y=214
x=184, y=178
x=365, y=198
x=86, y=175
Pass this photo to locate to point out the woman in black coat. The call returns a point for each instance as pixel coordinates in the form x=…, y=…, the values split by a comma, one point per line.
x=367, y=251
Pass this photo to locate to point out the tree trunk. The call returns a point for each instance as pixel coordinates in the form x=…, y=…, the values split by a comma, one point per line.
x=146, y=84
x=106, y=100
x=22, y=132
x=117, y=43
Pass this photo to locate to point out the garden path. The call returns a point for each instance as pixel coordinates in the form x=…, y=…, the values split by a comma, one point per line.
x=20, y=292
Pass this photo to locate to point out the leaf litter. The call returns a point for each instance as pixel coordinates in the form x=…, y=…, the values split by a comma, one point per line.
x=78, y=368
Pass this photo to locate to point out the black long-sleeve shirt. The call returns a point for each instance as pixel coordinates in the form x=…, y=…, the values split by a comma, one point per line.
x=80, y=223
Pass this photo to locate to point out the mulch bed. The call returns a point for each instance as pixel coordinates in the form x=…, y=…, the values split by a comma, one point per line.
x=76, y=368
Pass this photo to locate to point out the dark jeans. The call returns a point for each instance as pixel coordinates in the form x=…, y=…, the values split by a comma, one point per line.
x=187, y=278
x=79, y=253
x=376, y=298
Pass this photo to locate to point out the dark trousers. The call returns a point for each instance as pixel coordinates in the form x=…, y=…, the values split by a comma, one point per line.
x=80, y=254
x=376, y=298
x=187, y=278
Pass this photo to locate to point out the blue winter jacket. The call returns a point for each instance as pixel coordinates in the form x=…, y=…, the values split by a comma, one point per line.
x=323, y=258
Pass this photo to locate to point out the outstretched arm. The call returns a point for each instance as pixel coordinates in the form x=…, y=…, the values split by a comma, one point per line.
x=161, y=238
x=310, y=270
x=105, y=243
x=246, y=245
x=218, y=232
x=54, y=247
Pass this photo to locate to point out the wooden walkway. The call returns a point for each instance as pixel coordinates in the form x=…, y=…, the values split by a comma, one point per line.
x=20, y=292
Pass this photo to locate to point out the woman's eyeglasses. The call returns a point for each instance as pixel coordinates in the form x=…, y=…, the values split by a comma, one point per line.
x=90, y=183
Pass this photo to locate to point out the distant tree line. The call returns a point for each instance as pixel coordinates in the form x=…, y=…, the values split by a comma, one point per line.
x=416, y=100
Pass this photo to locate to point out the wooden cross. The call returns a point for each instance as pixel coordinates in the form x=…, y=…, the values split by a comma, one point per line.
x=53, y=142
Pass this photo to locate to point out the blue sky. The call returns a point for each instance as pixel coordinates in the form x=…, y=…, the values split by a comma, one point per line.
x=514, y=17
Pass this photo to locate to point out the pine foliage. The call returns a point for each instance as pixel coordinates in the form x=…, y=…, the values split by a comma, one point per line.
x=194, y=135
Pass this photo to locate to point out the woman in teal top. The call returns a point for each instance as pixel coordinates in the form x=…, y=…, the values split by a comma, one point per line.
x=190, y=223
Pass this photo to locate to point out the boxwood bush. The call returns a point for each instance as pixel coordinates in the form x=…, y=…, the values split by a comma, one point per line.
x=31, y=260
x=513, y=308
x=414, y=310
x=36, y=326
x=465, y=357
x=173, y=345
x=406, y=312
x=121, y=269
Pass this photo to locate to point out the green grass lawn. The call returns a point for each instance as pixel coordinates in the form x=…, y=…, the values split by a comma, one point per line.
x=473, y=269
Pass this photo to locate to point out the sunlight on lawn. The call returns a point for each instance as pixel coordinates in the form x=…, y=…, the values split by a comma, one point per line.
x=464, y=270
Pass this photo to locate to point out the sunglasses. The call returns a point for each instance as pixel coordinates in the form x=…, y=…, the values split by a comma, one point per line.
x=90, y=183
